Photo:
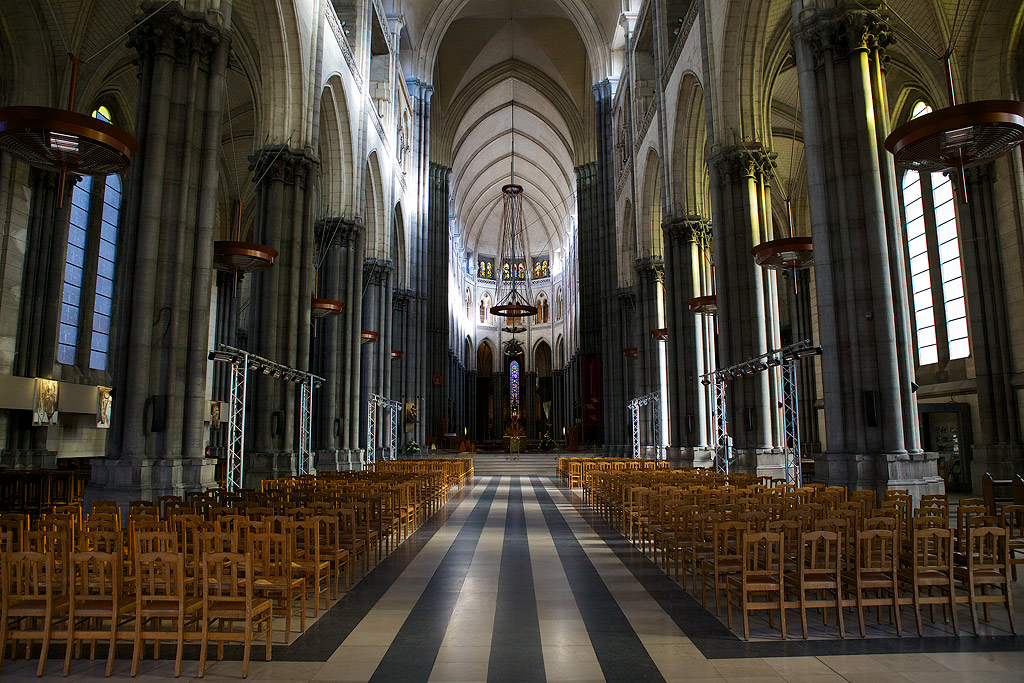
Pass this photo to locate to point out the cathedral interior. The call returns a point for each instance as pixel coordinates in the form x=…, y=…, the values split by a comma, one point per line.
x=250, y=241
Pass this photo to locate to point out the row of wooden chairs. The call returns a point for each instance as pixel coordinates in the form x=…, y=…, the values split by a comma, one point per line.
x=292, y=539
x=694, y=525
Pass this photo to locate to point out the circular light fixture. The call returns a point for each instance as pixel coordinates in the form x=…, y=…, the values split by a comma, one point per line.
x=514, y=329
x=959, y=136
x=397, y=353
x=788, y=253
x=704, y=305
x=513, y=310
x=242, y=257
x=660, y=334
x=631, y=352
x=369, y=336
x=325, y=308
x=60, y=139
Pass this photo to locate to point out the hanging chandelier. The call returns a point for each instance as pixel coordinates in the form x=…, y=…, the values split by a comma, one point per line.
x=512, y=294
x=65, y=141
x=703, y=305
x=958, y=136
x=237, y=256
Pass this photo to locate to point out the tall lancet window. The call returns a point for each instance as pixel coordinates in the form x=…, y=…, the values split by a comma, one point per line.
x=513, y=384
x=933, y=260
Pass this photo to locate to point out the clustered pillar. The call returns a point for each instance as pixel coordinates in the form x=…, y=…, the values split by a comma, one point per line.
x=337, y=346
x=157, y=436
x=747, y=324
x=685, y=239
x=279, y=322
x=871, y=422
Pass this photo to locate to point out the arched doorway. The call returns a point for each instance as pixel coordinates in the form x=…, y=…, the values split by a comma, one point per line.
x=485, y=391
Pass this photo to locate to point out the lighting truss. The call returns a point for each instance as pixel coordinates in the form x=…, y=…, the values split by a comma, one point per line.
x=393, y=407
x=241, y=363
x=634, y=410
x=305, y=464
x=787, y=359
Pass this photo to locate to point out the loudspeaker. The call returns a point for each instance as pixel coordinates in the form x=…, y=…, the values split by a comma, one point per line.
x=871, y=408
x=157, y=413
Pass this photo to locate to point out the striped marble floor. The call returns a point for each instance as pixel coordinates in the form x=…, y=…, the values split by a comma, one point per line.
x=513, y=580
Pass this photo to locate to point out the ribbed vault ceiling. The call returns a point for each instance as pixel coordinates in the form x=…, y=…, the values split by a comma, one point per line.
x=497, y=58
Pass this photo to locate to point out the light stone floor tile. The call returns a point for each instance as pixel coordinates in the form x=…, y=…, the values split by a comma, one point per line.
x=468, y=653
x=563, y=670
x=798, y=666
x=459, y=671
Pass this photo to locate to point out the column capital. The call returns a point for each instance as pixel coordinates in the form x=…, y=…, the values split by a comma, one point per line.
x=690, y=229
x=746, y=160
x=280, y=163
x=650, y=269
x=850, y=28
x=338, y=231
x=169, y=29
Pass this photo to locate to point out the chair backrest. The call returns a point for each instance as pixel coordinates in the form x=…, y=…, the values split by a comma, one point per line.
x=271, y=554
x=227, y=578
x=933, y=549
x=876, y=551
x=150, y=542
x=986, y=549
x=762, y=554
x=820, y=552
x=96, y=574
x=217, y=542
x=29, y=575
x=305, y=538
x=18, y=525
x=729, y=538
x=159, y=576
x=1013, y=520
x=101, y=541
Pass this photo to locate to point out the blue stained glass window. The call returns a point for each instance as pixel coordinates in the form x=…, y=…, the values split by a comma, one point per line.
x=71, y=297
x=513, y=372
x=103, y=305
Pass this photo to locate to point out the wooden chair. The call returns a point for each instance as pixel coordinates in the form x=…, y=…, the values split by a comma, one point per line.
x=931, y=566
x=229, y=598
x=819, y=567
x=274, y=577
x=18, y=524
x=332, y=549
x=875, y=570
x=308, y=562
x=987, y=566
x=724, y=561
x=33, y=603
x=760, y=574
x=160, y=596
x=96, y=595
x=1013, y=522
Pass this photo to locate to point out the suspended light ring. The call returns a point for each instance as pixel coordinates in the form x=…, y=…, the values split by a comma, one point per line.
x=631, y=352
x=660, y=334
x=325, y=308
x=59, y=139
x=704, y=305
x=788, y=253
x=369, y=336
x=513, y=310
x=960, y=136
x=242, y=257
x=397, y=353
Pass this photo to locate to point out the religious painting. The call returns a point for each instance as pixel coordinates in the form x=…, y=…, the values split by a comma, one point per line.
x=45, y=412
x=541, y=266
x=104, y=400
x=214, y=414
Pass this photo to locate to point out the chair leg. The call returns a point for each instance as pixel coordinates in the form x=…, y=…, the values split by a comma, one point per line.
x=860, y=612
x=137, y=650
x=204, y=647
x=246, y=648
x=47, y=625
x=69, y=646
x=803, y=612
x=839, y=611
x=746, y=614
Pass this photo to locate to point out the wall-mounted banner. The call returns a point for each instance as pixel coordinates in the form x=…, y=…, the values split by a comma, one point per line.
x=44, y=414
x=104, y=399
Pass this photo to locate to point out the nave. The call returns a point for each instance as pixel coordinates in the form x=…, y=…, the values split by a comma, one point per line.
x=514, y=579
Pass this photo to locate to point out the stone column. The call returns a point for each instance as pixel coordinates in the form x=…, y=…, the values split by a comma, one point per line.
x=747, y=324
x=998, y=448
x=871, y=422
x=39, y=317
x=472, y=407
x=159, y=361
x=279, y=324
x=376, y=315
x=650, y=303
x=528, y=400
x=685, y=238
x=435, y=305
x=337, y=340
x=559, y=391
x=499, y=383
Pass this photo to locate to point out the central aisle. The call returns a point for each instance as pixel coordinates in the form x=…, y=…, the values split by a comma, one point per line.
x=514, y=586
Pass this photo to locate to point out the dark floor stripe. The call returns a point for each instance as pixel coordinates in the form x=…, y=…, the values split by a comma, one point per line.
x=716, y=641
x=618, y=647
x=516, y=652
x=411, y=654
x=321, y=639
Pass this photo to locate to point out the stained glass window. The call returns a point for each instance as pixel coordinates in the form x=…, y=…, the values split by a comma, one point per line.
x=513, y=374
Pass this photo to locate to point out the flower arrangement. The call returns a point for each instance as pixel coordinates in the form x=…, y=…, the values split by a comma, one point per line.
x=412, y=447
